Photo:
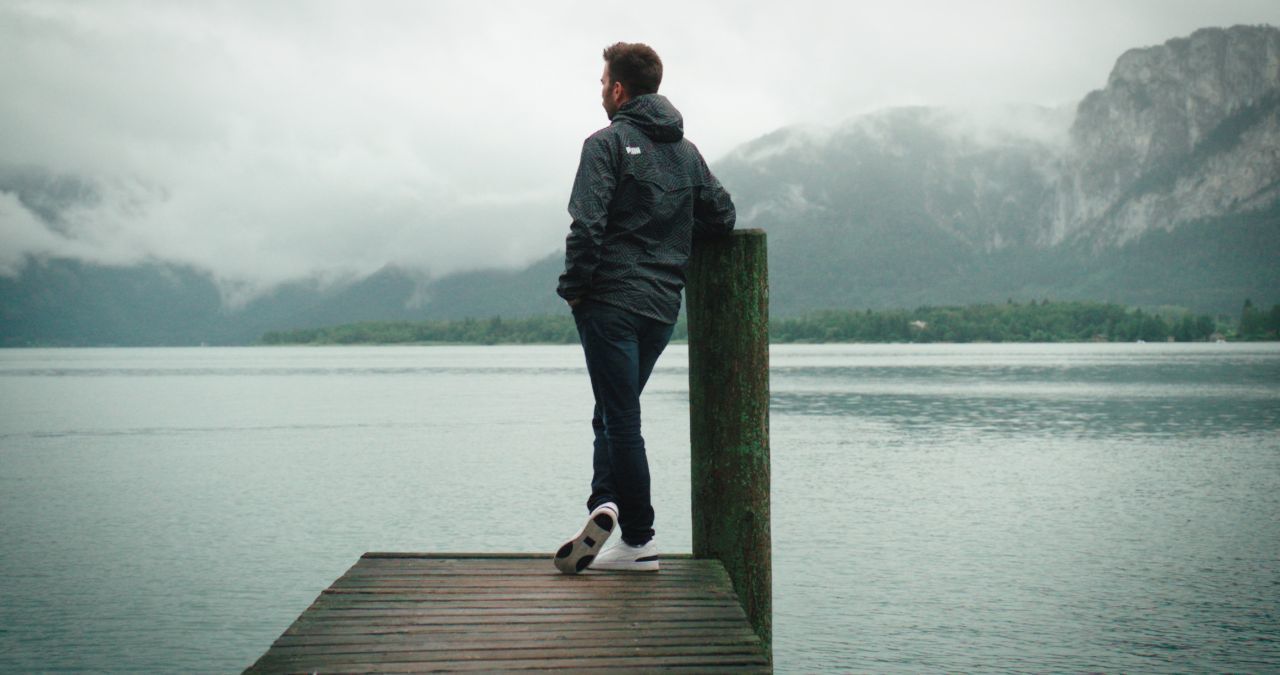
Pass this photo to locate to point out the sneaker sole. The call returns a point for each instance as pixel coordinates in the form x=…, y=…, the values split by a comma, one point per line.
x=645, y=564
x=574, y=555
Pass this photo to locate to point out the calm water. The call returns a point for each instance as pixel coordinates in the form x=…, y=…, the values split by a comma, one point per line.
x=936, y=507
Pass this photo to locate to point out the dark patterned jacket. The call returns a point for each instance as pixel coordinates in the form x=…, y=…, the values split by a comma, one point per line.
x=641, y=195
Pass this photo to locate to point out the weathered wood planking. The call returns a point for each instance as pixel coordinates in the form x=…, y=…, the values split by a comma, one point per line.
x=415, y=612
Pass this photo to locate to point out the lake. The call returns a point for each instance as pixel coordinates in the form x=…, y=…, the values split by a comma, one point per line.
x=935, y=507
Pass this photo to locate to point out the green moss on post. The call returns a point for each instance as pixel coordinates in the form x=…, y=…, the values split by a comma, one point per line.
x=728, y=315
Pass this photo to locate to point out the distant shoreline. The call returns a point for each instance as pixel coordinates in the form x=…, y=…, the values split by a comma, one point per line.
x=327, y=345
x=1043, y=322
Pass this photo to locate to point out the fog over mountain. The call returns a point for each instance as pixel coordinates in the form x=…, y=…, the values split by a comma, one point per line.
x=1178, y=156
x=265, y=143
x=1158, y=188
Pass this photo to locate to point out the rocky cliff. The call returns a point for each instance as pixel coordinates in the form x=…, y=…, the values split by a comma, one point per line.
x=1183, y=131
x=1179, y=154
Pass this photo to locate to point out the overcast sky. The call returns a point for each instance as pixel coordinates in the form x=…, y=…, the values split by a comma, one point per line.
x=266, y=141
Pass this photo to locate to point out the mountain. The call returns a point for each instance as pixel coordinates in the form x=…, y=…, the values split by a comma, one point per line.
x=69, y=303
x=1162, y=188
x=1182, y=132
x=899, y=208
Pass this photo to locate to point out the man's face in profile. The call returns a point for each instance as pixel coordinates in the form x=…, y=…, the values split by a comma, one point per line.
x=607, y=93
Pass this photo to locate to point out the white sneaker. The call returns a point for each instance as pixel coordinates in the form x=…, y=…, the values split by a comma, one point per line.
x=624, y=557
x=578, y=552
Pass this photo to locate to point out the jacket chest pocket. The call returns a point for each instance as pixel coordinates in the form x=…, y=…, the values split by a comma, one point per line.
x=639, y=190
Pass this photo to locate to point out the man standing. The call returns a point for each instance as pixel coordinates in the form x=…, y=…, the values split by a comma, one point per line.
x=641, y=195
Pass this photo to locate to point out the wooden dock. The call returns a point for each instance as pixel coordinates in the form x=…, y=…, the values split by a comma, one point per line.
x=415, y=612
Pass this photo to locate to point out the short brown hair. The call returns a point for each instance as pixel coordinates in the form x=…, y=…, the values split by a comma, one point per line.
x=635, y=65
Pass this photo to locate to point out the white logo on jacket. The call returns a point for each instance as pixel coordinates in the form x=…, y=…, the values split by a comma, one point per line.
x=632, y=151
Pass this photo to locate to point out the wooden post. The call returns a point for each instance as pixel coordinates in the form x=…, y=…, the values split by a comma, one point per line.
x=728, y=319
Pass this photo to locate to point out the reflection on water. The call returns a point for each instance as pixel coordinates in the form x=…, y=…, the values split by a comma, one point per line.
x=1108, y=391
x=935, y=507
x=1071, y=414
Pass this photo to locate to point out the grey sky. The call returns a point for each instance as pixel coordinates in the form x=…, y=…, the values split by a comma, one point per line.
x=269, y=141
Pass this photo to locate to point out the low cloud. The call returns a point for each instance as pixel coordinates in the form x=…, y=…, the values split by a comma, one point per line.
x=264, y=151
x=265, y=142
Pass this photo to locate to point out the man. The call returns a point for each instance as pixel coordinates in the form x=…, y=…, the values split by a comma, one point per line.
x=642, y=193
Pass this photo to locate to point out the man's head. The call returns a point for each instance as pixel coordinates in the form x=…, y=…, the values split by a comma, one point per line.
x=630, y=69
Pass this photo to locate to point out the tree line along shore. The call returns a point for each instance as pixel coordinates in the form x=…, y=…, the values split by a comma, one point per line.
x=1042, y=321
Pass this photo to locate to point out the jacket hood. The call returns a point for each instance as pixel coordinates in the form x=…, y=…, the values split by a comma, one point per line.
x=654, y=115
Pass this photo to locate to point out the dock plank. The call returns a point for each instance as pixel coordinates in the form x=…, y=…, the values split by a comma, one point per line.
x=418, y=612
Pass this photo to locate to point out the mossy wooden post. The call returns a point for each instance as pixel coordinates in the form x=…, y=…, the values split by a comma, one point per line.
x=728, y=318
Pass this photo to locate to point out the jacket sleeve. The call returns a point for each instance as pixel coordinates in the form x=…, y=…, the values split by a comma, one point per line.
x=589, y=208
x=713, y=211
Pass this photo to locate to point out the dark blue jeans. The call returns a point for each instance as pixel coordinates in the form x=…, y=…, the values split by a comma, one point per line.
x=621, y=348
